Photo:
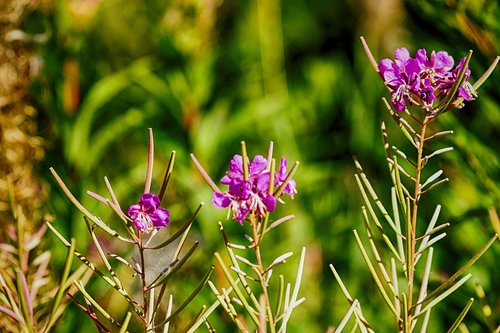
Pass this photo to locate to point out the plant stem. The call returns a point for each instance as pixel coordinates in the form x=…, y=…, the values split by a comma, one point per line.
x=412, y=238
x=262, y=276
x=145, y=293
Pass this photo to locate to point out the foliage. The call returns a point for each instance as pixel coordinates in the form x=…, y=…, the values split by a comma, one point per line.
x=207, y=74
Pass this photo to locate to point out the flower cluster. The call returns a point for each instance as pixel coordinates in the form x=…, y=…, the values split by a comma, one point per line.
x=148, y=215
x=252, y=195
x=422, y=80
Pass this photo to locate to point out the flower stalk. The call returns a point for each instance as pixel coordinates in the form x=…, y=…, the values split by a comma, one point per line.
x=143, y=221
x=421, y=89
x=254, y=189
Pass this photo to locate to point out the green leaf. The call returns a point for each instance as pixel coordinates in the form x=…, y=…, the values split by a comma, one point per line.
x=126, y=322
x=189, y=299
x=443, y=295
x=178, y=232
x=461, y=316
x=61, y=289
x=375, y=275
x=95, y=304
x=464, y=268
x=237, y=290
x=168, y=173
x=163, y=278
x=85, y=212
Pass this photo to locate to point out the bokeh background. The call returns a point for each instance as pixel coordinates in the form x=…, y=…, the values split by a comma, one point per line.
x=85, y=79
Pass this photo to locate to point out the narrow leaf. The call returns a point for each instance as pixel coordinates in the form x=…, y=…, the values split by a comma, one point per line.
x=178, y=232
x=168, y=173
x=461, y=316
x=444, y=294
x=189, y=298
x=149, y=169
x=347, y=316
x=464, y=268
x=126, y=322
x=85, y=212
x=95, y=304
x=61, y=289
x=238, y=292
x=374, y=274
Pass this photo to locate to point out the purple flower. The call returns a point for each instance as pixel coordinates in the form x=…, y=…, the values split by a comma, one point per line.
x=439, y=62
x=423, y=80
x=466, y=91
x=251, y=195
x=147, y=215
x=402, y=76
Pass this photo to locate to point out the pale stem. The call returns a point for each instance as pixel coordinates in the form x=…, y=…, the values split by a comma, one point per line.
x=412, y=238
x=262, y=272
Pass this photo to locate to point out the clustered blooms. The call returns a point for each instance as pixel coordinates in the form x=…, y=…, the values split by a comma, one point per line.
x=251, y=195
x=422, y=81
x=147, y=215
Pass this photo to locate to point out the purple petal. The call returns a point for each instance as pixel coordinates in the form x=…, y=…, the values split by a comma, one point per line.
x=398, y=103
x=226, y=180
x=412, y=68
x=263, y=182
x=385, y=65
x=141, y=223
x=290, y=188
x=390, y=72
x=269, y=202
x=259, y=164
x=240, y=189
x=149, y=202
x=236, y=164
x=421, y=57
x=442, y=61
x=281, y=173
x=240, y=213
x=134, y=210
x=160, y=217
x=221, y=200
x=401, y=55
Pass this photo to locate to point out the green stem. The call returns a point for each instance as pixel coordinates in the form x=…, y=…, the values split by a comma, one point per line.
x=262, y=275
x=411, y=237
x=145, y=293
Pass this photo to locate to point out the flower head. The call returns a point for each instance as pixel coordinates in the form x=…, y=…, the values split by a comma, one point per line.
x=147, y=215
x=251, y=195
x=402, y=76
x=422, y=80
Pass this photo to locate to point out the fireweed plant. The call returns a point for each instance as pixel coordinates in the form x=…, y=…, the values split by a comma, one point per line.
x=422, y=88
x=254, y=189
x=30, y=300
x=141, y=222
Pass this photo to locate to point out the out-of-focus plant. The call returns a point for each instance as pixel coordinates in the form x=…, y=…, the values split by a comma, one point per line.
x=30, y=299
x=21, y=147
x=254, y=189
x=422, y=89
x=142, y=224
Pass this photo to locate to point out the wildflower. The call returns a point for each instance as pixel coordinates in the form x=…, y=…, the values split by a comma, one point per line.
x=423, y=80
x=147, y=215
x=402, y=76
x=251, y=195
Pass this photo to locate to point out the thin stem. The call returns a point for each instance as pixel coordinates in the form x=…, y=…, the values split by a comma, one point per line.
x=142, y=273
x=411, y=237
x=262, y=272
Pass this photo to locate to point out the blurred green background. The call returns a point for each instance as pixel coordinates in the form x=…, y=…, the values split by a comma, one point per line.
x=206, y=74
